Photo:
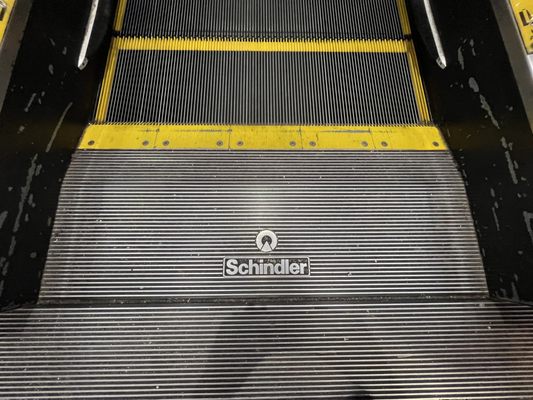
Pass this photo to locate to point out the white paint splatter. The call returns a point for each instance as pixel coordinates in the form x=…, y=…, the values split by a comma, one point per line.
x=510, y=166
x=30, y=102
x=510, y=162
x=472, y=44
x=473, y=84
x=514, y=291
x=56, y=129
x=3, y=216
x=461, y=58
x=484, y=103
x=496, y=220
x=24, y=193
x=528, y=218
x=486, y=106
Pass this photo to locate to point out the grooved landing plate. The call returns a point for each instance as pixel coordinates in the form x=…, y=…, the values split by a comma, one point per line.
x=461, y=350
x=157, y=225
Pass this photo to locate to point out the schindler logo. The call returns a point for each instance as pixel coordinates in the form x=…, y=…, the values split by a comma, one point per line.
x=266, y=241
x=270, y=266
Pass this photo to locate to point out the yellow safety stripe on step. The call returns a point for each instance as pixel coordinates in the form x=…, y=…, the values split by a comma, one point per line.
x=364, y=46
x=322, y=46
x=5, y=20
x=107, y=83
x=119, y=15
x=419, y=90
x=241, y=137
x=404, y=17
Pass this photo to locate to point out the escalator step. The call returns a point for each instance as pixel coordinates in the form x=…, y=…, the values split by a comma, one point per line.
x=158, y=225
x=267, y=83
x=401, y=350
x=267, y=19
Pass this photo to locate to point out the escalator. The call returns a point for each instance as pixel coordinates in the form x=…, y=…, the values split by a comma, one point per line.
x=263, y=208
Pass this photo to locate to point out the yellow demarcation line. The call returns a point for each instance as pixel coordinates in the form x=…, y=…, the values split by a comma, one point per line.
x=319, y=46
x=107, y=83
x=242, y=137
x=119, y=15
x=404, y=17
x=420, y=93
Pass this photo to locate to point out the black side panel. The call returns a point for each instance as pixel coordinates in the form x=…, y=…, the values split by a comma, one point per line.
x=48, y=103
x=476, y=102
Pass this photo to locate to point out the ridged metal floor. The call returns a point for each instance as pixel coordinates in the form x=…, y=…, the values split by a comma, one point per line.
x=451, y=350
x=158, y=225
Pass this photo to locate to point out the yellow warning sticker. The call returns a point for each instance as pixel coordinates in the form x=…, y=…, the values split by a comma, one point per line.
x=5, y=12
x=523, y=12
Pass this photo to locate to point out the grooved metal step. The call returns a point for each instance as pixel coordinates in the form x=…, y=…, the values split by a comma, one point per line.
x=157, y=225
x=272, y=19
x=459, y=350
x=261, y=88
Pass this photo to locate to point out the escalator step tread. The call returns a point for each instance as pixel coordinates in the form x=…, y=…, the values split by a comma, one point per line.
x=270, y=19
x=263, y=88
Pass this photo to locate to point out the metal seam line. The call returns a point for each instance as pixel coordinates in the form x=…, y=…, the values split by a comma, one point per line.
x=234, y=137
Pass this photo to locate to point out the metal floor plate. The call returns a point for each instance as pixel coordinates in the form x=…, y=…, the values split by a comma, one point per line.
x=157, y=225
x=460, y=350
